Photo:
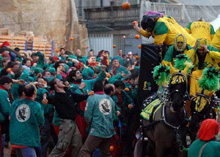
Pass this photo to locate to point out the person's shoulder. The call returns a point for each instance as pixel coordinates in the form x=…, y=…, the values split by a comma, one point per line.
x=92, y=97
x=111, y=99
x=2, y=91
x=215, y=144
x=30, y=103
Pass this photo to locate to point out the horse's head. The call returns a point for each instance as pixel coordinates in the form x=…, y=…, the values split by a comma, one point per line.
x=178, y=82
x=177, y=91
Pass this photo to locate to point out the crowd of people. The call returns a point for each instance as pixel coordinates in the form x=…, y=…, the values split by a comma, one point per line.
x=58, y=105
x=75, y=105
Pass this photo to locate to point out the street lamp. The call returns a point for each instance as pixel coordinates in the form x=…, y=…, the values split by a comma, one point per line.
x=124, y=36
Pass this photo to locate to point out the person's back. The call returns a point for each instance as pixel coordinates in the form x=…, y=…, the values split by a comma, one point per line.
x=216, y=39
x=99, y=114
x=171, y=30
x=164, y=30
x=201, y=29
x=26, y=118
x=206, y=145
x=101, y=109
x=212, y=149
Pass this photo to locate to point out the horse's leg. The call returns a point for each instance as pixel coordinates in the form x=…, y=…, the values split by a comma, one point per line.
x=160, y=152
x=138, y=150
x=193, y=127
x=150, y=148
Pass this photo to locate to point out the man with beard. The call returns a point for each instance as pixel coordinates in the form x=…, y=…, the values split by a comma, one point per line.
x=82, y=87
x=64, y=102
x=203, y=56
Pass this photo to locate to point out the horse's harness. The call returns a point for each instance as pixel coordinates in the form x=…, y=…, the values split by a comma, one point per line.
x=163, y=117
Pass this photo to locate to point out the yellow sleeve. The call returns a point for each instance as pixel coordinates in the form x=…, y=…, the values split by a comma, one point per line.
x=159, y=39
x=189, y=31
x=194, y=86
x=145, y=33
x=191, y=55
x=212, y=36
x=216, y=39
x=215, y=55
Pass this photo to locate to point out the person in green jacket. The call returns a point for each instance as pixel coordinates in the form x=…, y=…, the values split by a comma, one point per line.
x=5, y=86
x=99, y=114
x=126, y=104
x=26, y=118
x=40, y=62
x=118, y=69
x=206, y=144
x=131, y=85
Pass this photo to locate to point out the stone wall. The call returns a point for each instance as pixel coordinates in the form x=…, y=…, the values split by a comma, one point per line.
x=52, y=19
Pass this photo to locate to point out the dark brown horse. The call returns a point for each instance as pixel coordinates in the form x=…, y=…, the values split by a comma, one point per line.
x=197, y=117
x=166, y=133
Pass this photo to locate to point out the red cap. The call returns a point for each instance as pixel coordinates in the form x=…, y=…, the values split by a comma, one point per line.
x=209, y=128
x=6, y=43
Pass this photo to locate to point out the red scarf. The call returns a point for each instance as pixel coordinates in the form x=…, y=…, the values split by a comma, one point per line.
x=27, y=97
x=114, y=69
x=99, y=92
x=120, y=103
x=92, y=64
x=77, y=82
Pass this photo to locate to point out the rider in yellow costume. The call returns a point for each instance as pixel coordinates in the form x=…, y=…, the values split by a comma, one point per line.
x=201, y=29
x=163, y=29
x=216, y=39
x=203, y=56
x=180, y=47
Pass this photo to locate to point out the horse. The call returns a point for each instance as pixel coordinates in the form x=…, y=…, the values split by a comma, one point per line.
x=167, y=132
x=208, y=111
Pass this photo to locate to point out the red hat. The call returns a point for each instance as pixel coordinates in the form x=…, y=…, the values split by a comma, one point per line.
x=6, y=43
x=209, y=128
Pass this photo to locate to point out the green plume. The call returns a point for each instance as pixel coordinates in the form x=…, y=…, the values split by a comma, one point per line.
x=161, y=74
x=209, y=79
x=182, y=61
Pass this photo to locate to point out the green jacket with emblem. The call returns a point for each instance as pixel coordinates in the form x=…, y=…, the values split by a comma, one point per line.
x=99, y=114
x=26, y=118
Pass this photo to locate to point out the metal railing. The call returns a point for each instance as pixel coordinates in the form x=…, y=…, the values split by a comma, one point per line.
x=115, y=13
x=182, y=13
